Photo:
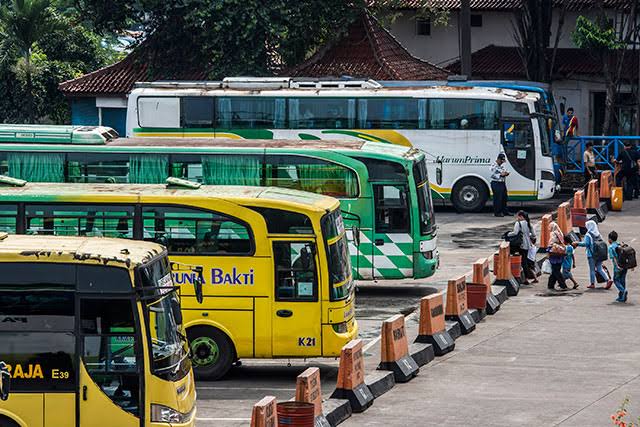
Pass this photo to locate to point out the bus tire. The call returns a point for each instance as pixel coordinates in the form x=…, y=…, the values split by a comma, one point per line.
x=212, y=352
x=7, y=422
x=469, y=195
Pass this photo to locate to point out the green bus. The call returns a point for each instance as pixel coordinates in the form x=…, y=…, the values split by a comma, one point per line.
x=383, y=188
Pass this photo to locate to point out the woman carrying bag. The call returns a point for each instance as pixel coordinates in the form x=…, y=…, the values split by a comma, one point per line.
x=520, y=241
x=556, y=256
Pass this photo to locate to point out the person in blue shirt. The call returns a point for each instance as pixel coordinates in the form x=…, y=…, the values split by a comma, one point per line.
x=569, y=262
x=592, y=234
x=619, y=273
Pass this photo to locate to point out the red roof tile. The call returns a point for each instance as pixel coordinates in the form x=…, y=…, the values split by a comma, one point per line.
x=510, y=4
x=499, y=62
x=367, y=51
x=119, y=78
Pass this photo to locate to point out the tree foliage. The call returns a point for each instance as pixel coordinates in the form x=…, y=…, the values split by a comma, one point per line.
x=42, y=45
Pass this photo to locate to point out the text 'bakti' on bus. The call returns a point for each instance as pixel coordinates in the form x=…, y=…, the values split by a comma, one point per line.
x=277, y=280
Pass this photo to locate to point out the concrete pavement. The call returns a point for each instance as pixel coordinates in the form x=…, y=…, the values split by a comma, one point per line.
x=540, y=361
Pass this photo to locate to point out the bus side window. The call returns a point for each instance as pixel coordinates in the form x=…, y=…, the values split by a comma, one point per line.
x=185, y=230
x=296, y=276
x=8, y=218
x=76, y=220
x=391, y=208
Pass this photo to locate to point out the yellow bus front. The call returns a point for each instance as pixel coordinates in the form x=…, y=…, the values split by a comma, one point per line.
x=85, y=350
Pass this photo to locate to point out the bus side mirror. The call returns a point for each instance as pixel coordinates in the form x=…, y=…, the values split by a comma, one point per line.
x=5, y=381
x=177, y=313
x=197, y=284
x=439, y=172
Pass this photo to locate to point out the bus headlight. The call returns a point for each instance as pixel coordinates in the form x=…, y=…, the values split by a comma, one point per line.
x=341, y=328
x=427, y=255
x=164, y=414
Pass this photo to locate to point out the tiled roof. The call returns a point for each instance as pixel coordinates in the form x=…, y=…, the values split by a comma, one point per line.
x=369, y=51
x=500, y=62
x=119, y=78
x=510, y=4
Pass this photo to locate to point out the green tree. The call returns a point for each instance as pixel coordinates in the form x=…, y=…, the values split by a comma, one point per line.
x=24, y=23
x=606, y=39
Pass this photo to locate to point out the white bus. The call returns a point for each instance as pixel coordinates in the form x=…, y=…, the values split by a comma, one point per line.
x=462, y=129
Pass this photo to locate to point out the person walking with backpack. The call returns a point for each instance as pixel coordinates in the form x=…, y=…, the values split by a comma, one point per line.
x=520, y=241
x=597, y=253
x=619, y=272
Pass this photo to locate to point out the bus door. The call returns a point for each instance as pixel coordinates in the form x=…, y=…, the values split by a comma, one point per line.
x=110, y=363
x=517, y=139
x=353, y=229
x=392, y=249
x=297, y=314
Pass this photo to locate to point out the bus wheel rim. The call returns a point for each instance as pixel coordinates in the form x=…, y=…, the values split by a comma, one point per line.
x=469, y=194
x=205, y=351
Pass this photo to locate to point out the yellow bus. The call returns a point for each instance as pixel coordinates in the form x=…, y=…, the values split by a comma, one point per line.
x=276, y=268
x=90, y=334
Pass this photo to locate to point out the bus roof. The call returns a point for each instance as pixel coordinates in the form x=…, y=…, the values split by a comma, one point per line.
x=418, y=91
x=102, y=250
x=341, y=146
x=175, y=145
x=301, y=201
x=56, y=134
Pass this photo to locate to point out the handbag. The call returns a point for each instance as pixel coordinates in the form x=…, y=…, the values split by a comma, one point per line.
x=515, y=242
x=546, y=266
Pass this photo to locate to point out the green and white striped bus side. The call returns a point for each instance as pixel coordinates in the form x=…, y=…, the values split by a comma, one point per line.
x=383, y=188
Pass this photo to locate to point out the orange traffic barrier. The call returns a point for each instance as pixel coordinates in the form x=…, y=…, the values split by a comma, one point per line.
x=264, y=413
x=503, y=271
x=456, y=297
x=578, y=199
x=481, y=277
x=606, y=184
x=395, y=350
x=481, y=274
x=432, y=328
x=308, y=390
x=593, y=195
x=350, y=384
x=456, y=308
x=501, y=265
x=564, y=218
x=616, y=199
x=545, y=232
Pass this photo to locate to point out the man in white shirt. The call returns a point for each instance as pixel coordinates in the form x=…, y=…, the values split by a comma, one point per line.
x=499, y=187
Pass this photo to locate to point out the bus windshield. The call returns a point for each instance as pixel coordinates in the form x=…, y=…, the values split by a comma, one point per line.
x=425, y=204
x=169, y=354
x=340, y=279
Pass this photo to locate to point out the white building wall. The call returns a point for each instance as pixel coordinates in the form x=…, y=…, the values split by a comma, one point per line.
x=442, y=46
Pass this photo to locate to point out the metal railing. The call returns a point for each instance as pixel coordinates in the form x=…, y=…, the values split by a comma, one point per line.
x=604, y=148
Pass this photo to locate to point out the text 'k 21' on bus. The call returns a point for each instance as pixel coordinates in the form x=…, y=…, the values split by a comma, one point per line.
x=277, y=280
x=383, y=188
x=461, y=129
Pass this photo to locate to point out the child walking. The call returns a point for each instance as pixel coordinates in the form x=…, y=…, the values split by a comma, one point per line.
x=569, y=262
x=619, y=273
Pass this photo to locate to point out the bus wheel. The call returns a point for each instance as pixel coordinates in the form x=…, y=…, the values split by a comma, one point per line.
x=212, y=352
x=469, y=195
x=6, y=422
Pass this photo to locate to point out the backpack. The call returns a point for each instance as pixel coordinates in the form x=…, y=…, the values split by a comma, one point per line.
x=626, y=256
x=599, y=250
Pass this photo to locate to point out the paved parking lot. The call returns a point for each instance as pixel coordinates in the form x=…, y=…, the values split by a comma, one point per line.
x=462, y=238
